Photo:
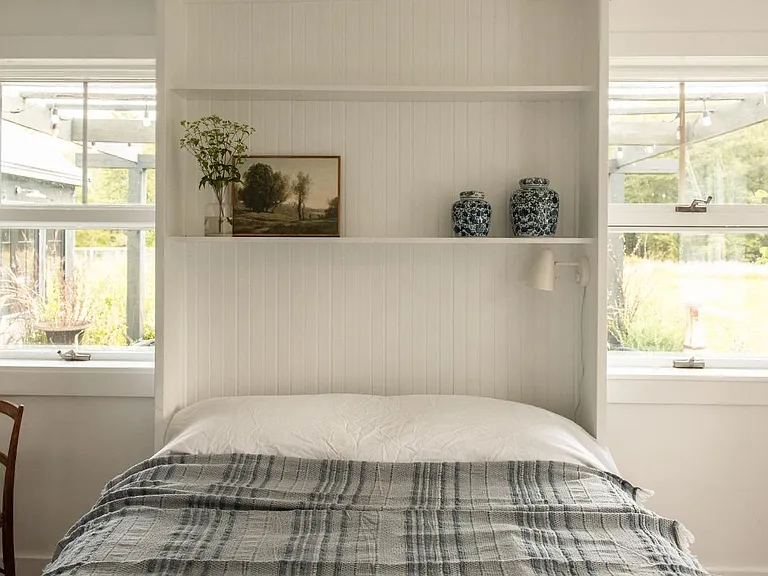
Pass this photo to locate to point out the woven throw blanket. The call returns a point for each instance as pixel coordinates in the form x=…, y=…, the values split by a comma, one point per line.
x=251, y=514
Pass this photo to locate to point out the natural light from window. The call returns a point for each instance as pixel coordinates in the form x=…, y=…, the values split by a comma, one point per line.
x=77, y=184
x=681, y=282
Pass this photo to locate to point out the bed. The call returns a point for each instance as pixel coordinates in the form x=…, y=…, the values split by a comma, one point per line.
x=366, y=485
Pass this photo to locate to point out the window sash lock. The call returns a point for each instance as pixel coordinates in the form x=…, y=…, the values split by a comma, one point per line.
x=698, y=206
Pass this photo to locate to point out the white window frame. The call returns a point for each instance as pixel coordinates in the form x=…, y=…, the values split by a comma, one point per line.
x=719, y=219
x=78, y=217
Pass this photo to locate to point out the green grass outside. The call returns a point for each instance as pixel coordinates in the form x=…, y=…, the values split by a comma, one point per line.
x=734, y=315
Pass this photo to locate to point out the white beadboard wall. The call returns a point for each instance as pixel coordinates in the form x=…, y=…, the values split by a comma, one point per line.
x=518, y=89
x=307, y=318
x=385, y=42
x=403, y=163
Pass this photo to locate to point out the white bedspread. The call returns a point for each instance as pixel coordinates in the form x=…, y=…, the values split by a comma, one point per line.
x=419, y=428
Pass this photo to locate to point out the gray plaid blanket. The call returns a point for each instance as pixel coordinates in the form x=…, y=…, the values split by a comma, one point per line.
x=251, y=514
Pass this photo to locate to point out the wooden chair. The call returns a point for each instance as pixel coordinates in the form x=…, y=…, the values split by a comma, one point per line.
x=9, y=461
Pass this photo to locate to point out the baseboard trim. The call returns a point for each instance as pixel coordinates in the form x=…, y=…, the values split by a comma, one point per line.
x=745, y=571
x=31, y=565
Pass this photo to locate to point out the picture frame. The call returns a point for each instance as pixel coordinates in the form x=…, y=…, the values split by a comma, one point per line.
x=288, y=195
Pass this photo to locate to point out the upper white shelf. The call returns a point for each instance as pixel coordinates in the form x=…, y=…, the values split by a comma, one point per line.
x=387, y=93
x=350, y=240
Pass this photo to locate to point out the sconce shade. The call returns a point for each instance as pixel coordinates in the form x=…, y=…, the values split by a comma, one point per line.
x=543, y=273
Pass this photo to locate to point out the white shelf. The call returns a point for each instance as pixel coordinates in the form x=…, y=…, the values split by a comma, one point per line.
x=348, y=240
x=387, y=93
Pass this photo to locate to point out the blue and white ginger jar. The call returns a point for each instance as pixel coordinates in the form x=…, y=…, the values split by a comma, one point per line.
x=534, y=208
x=471, y=214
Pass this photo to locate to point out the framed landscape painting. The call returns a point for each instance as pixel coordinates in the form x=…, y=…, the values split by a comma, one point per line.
x=288, y=196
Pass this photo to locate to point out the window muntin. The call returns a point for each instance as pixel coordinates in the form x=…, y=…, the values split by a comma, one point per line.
x=63, y=262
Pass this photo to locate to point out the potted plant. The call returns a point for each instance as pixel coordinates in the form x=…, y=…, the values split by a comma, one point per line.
x=219, y=146
x=62, y=312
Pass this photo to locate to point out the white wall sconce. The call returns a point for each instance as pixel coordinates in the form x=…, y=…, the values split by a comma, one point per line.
x=543, y=273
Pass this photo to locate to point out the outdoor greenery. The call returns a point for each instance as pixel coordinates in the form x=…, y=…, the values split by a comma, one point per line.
x=646, y=299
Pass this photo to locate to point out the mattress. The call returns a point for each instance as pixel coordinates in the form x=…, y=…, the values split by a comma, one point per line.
x=258, y=514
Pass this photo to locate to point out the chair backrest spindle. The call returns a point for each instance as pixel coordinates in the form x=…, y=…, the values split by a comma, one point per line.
x=15, y=412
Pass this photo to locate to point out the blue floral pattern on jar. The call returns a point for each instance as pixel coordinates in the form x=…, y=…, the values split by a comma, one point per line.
x=471, y=215
x=534, y=208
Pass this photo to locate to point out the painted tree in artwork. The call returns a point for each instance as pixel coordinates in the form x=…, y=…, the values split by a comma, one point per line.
x=263, y=188
x=333, y=208
x=301, y=191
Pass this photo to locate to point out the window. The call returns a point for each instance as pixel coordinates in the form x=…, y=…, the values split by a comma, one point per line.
x=77, y=193
x=685, y=283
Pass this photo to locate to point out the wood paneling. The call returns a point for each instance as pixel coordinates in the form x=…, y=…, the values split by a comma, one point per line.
x=386, y=42
x=404, y=163
x=249, y=317
x=282, y=318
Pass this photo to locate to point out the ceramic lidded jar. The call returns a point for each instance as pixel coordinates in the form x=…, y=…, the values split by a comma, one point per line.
x=471, y=214
x=534, y=208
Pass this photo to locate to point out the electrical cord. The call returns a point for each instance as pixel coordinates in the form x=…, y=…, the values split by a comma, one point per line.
x=580, y=381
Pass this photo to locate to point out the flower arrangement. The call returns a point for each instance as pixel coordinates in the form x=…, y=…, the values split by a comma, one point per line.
x=220, y=147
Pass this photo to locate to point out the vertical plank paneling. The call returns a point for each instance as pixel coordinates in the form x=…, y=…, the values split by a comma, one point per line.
x=404, y=336
x=391, y=320
x=375, y=209
x=386, y=319
x=298, y=320
x=472, y=303
x=230, y=320
x=325, y=319
x=448, y=46
x=461, y=311
x=244, y=325
x=364, y=313
x=192, y=314
x=378, y=274
x=392, y=41
x=204, y=352
x=407, y=30
x=267, y=318
x=270, y=303
x=444, y=295
x=402, y=181
x=420, y=297
x=488, y=308
x=406, y=42
x=338, y=325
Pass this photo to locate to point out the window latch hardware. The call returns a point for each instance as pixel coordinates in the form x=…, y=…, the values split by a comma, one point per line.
x=690, y=363
x=72, y=356
x=698, y=206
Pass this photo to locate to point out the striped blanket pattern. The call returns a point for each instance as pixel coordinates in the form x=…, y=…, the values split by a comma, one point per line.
x=253, y=514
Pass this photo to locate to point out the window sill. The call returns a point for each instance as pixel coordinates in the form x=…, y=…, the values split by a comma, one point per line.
x=708, y=387
x=93, y=378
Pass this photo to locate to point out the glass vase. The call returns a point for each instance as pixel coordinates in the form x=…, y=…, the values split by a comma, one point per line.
x=218, y=215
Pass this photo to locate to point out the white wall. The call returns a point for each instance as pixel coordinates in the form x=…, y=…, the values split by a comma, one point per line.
x=688, y=454
x=707, y=465
x=77, y=28
x=125, y=29
x=68, y=449
x=693, y=28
